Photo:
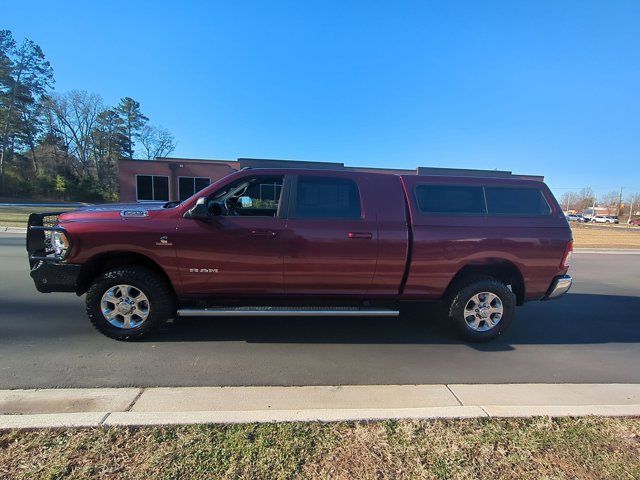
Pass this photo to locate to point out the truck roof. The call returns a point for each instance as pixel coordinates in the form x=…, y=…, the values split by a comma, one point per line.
x=438, y=175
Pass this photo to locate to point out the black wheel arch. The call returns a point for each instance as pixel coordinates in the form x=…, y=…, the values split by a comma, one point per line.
x=106, y=261
x=500, y=269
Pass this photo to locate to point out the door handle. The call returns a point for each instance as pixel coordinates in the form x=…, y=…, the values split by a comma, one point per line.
x=363, y=235
x=264, y=233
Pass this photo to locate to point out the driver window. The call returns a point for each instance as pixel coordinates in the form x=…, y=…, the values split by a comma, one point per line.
x=251, y=196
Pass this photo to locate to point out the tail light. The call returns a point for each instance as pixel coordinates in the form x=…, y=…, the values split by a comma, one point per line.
x=566, y=258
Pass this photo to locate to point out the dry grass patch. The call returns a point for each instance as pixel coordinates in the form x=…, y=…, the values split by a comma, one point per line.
x=587, y=448
x=593, y=236
x=18, y=216
x=497, y=449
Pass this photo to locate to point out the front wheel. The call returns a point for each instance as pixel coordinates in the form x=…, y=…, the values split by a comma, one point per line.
x=129, y=303
x=482, y=309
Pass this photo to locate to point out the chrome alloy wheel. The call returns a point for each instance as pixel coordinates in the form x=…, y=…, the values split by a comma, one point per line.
x=483, y=311
x=124, y=306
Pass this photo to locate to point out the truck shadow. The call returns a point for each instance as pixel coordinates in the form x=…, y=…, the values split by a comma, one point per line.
x=575, y=319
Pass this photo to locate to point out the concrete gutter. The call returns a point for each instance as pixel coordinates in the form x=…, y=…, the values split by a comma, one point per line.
x=45, y=205
x=98, y=407
x=13, y=229
x=608, y=251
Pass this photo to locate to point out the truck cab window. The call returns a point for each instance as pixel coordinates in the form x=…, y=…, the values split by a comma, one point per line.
x=516, y=201
x=327, y=197
x=250, y=196
x=450, y=199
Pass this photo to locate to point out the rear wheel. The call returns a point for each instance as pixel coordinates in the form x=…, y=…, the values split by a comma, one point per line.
x=481, y=309
x=129, y=303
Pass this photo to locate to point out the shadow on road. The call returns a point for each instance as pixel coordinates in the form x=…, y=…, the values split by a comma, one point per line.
x=574, y=319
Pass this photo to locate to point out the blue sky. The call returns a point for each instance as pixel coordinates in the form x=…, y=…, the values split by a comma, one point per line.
x=542, y=87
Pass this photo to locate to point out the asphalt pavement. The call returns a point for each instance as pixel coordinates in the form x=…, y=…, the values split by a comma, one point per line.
x=592, y=335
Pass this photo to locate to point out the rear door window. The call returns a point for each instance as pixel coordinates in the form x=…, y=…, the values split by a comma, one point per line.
x=450, y=199
x=326, y=197
x=516, y=201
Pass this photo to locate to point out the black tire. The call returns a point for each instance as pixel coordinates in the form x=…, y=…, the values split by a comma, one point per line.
x=464, y=292
x=161, y=302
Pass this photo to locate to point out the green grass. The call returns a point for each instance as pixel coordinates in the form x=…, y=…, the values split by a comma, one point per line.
x=18, y=216
x=586, y=448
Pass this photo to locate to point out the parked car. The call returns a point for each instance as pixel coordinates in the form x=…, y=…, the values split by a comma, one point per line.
x=635, y=221
x=604, y=219
x=296, y=242
x=574, y=217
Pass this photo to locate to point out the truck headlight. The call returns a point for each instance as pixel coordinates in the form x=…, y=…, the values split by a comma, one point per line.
x=60, y=243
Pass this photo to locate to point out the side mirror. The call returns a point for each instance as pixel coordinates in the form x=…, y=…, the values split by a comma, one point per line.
x=199, y=210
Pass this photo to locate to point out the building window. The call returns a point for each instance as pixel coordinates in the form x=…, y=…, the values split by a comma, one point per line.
x=187, y=186
x=152, y=187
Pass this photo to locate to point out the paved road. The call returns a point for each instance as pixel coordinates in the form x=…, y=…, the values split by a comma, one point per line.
x=590, y=335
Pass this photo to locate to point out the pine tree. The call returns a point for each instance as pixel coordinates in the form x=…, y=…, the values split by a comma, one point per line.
x=25, y=77
x=109, y=143
x=133, y=119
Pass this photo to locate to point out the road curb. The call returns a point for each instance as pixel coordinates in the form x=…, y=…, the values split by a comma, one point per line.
x=608, y=251
x=52, y=420
x=13, y=229
x=139, y=419
x=110, y=407
x=269, y=416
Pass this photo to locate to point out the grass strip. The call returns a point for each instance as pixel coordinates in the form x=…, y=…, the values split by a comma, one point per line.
x=595, y=236
x=18, y=216
x=586, y=448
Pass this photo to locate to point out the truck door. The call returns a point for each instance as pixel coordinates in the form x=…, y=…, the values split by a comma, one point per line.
x=239, y=250
x=332, y=235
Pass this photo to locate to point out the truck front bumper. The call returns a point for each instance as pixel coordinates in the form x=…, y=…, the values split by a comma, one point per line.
x=55, y=277
x=559, y=287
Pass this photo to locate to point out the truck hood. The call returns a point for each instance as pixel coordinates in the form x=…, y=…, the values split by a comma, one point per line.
x=113, y=211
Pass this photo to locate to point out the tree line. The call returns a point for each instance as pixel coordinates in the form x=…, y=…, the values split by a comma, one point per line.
x=586, y=198
x=64, y=145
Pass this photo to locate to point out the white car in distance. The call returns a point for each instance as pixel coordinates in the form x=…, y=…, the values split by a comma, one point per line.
x=603, y=219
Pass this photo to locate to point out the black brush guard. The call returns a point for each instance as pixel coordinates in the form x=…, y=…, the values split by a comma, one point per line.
x=47, y=270
x=39, y=228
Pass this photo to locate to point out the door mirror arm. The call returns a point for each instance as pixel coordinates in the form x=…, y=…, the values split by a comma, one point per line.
x=199, y=211
x=204, y=211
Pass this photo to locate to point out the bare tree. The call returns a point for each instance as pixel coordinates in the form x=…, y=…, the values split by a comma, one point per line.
x=634, y=204
x=609, y=199
x=74, y=116
x=585, y=198
x=569, y=200
x=156, y=141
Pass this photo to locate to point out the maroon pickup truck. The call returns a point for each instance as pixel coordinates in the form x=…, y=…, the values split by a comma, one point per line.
x=296, y=242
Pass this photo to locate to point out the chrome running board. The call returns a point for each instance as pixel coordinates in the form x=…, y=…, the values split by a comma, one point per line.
x=285, y=312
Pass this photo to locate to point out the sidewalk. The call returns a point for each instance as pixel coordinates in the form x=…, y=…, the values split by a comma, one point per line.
x=189, y=405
